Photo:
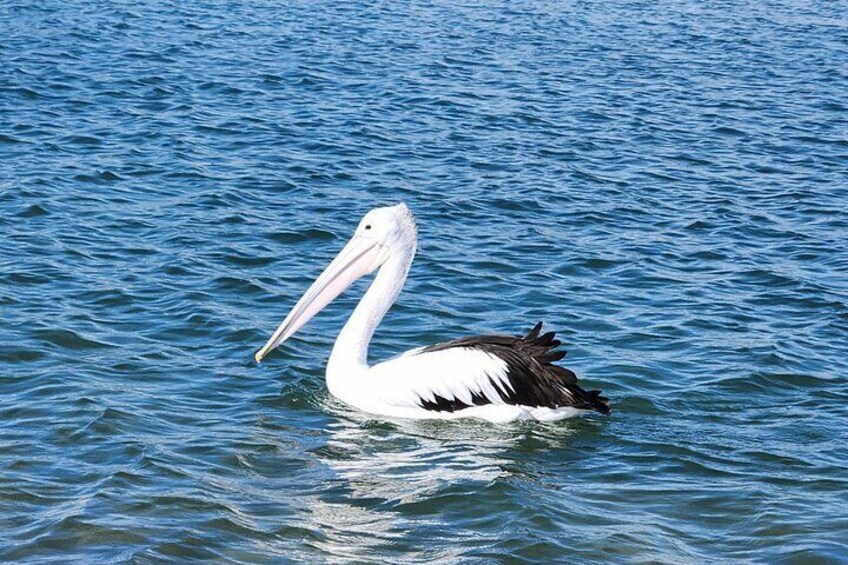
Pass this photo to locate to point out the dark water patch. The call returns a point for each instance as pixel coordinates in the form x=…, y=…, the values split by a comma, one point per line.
x=238, y=284
x=34, y=211
x=245, y=260
x=27, y=279
x=106, y=298
x=23, y=92
x=12, y=355
x=105, y=176
x=85, y=140
x=69, y=339
x=178, y=271
x=10, y=139
x=310, y=236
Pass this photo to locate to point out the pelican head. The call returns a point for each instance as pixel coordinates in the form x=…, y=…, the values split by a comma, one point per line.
x=383, y=233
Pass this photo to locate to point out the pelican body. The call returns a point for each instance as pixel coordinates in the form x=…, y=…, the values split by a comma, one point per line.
x=491, y=377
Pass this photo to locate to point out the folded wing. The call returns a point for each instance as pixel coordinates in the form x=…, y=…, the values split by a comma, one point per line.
x=488, y=369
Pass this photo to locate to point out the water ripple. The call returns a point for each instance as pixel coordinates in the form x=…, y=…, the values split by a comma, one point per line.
x=665, y=187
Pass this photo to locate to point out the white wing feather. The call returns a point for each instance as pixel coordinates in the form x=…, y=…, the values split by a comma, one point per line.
x=456, y=373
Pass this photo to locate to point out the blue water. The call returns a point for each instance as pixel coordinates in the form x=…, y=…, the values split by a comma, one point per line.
x=664, y=183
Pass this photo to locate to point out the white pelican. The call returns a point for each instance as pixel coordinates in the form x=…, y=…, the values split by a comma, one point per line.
x=492, y=377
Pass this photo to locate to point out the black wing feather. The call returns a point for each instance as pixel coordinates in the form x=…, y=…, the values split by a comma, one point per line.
x=534, y=379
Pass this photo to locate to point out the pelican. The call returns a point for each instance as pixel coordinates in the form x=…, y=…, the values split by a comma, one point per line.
x=491, y=377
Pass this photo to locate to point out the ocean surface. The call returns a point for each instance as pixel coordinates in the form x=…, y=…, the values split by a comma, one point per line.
x=665, y=184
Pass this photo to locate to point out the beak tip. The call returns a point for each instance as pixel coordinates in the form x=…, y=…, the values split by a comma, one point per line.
x=258, y=357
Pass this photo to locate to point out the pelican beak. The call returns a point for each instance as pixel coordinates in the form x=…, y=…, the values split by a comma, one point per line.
x=358, y=258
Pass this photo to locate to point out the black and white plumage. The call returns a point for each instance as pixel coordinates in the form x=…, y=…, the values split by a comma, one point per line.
x=531, y=377
x=494, y=377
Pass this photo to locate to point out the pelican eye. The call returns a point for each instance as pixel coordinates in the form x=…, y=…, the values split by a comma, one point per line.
x=368, y=227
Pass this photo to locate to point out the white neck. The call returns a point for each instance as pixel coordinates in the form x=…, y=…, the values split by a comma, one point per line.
x=350, y=352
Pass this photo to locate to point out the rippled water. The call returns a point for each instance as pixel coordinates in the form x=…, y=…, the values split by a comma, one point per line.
x=666, y=184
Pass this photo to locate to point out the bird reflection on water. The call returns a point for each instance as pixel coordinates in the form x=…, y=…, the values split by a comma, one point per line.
x=391, y=479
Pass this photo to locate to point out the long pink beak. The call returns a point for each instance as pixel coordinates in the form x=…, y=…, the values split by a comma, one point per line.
x=358, y=258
